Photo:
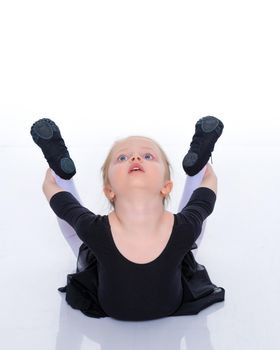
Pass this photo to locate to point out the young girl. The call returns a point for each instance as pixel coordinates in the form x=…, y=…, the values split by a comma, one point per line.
x=135, y=263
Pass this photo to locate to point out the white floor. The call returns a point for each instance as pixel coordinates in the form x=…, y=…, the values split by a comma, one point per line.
x=240, y=250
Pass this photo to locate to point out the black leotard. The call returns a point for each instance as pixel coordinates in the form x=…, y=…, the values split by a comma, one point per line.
x=111, y=285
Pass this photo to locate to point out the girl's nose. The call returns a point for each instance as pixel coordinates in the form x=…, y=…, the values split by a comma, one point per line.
x=135, y=157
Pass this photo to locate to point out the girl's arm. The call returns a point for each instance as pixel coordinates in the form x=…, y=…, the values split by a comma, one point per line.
x=209, y=179
x=50, y=187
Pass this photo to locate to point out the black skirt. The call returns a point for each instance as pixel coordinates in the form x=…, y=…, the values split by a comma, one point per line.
x=81, y=289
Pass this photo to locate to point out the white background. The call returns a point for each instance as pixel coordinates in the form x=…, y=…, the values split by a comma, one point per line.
x=103, y=70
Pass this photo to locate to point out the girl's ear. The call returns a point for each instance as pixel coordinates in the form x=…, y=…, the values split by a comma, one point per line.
x=167, y=188
x=109, y=193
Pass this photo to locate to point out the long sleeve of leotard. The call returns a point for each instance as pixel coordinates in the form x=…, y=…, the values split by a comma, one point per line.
x=68, y=208
x=199, y=207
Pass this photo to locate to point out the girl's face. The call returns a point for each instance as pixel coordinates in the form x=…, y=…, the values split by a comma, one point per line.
x=143, y=152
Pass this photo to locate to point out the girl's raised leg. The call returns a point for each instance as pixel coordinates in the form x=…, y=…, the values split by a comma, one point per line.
x=191, y=184
x=68, y=232
x=46, y=134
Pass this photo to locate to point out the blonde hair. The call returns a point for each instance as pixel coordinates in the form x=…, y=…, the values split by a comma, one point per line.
x=105, y=166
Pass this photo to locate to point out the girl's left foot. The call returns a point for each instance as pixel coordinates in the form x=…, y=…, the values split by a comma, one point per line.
x=207, y=132
x=46, y=135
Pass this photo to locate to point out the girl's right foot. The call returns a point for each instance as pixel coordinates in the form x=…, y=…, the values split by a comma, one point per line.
x=46, y=135
x=207, y=132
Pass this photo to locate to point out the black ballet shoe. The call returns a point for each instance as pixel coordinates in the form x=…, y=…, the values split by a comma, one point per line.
x=46, y=135
x=207, y=132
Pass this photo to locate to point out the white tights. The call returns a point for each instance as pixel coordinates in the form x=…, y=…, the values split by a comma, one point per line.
x=191, y=183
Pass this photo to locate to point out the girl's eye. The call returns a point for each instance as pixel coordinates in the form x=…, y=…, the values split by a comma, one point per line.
x=149, y=154
x=122, y=156
x=146, y=156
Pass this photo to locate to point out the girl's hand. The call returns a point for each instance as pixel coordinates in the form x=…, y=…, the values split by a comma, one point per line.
x=209, y=170
x=50, y=187
x=209, y=179
x=49, y=178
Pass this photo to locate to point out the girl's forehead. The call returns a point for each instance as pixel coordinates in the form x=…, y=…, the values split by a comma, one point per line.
x=135, y=144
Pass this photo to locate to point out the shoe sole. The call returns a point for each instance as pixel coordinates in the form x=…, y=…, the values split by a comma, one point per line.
x=190, y=159
x=67, y=165
x=208, y=124
x=44, y=129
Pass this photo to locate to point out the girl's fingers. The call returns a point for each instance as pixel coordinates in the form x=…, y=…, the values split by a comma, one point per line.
x=49, y=176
